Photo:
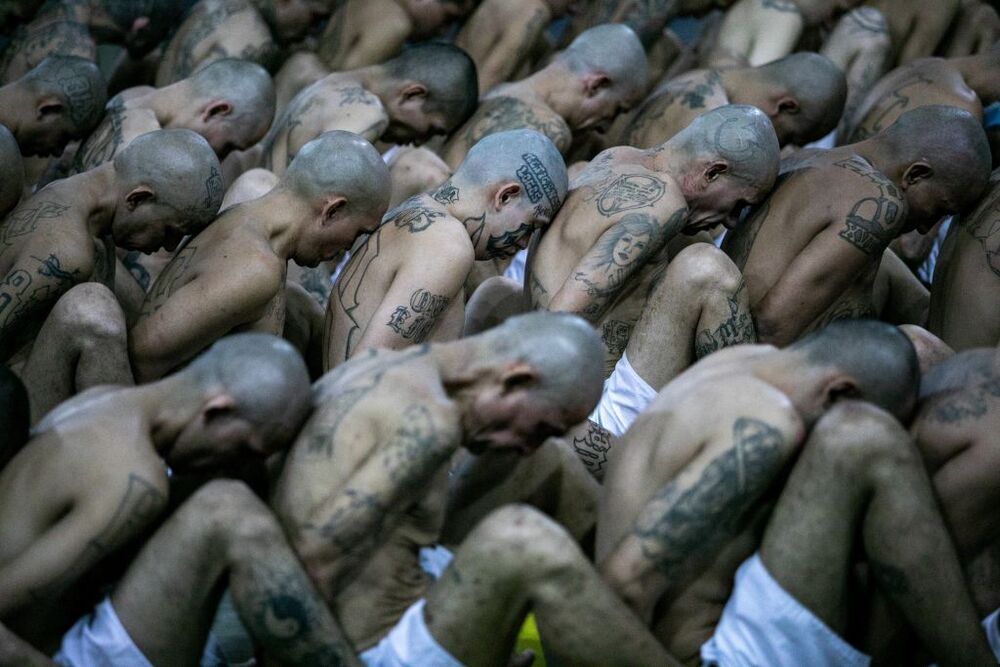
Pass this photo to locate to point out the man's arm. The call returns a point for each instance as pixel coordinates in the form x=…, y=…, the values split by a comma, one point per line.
x=900, y=298
x=614, y=259
x=199, y=313
x=32, y=287
x=418, y=298
x=928, y=30
x=337, y=538
x=95, y=526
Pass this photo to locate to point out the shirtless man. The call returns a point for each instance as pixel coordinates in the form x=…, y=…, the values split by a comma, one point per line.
x=363, y=492
x=756, y=32
x=803, y=95
x=916, y=29
x=361, y=33
x=11, y=172
x=689, y=493
x=71, y=28
x=427, y=90
x=966, y=284
x=603, y=72
x=975, y=30
x=504, y=37
x=647, y=19
x=229, y=102
x=811, y=251
x=231, y=277
x=95, y=480
x=60, y=100
x=245, y=29
x=403, y=283
x=971, y=83
x=163, y=186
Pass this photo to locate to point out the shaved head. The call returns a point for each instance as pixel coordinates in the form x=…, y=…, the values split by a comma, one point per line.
x=245, y=85
x=524, y=156
x=265, y=376
x=952, y=142
x=819, y=87
x=563, y=349
x=11, y=172
x=341, y=163
x=447, y=72
x=614, y=50
x=180, y=168
x=77, y=84
x=877, y=356
x=742, y=136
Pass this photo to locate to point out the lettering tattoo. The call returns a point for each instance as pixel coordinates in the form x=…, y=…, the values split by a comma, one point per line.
x=416, y=321
x=592, y=448
x=615, y=334
x=509, y=113
x=680, y=523
x=689, y=93
x=736, y=329
x=412, y=216
x=538, y=184
x=447, y=194
x=890, y=107
x=356, y=95
x=133, y=262
x=872, y=221
x=25, y=221
x=630, y=191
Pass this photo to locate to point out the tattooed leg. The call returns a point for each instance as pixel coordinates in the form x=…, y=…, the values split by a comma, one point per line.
x=860, y=469
x=224, y=534
x=493, y=302
x=699, y=306
x=517, y=560
x=82, y=344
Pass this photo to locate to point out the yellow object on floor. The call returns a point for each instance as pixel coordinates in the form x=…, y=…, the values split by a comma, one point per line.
x=528, y=639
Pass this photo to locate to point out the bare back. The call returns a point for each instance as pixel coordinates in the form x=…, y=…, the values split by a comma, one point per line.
x=362, y=33
x=402, y=284
x=673, y=106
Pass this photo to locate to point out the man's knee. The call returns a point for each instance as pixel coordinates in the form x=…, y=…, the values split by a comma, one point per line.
x=90, y=314
x=859, y=438
x=524, y=543
x=702, y=267
x=230, y=512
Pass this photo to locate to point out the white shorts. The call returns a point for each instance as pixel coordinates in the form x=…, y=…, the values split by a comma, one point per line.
x=409, y=644
x=624, y=396
x=515, y=270
x=829, y=141
x=390, y=154
x=99, y=640
x=993, y=632
x=763, y=626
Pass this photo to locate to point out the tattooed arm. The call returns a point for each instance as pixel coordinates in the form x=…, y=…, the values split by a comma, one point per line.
x=98, y=522
x=384, y=481
x=418, y=298
x=34, y=283
x=614, y=259
x=173, y=330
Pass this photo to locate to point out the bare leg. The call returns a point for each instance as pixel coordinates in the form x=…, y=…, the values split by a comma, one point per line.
x=517, y=560
x=15, y=652
x=82, y=344
x=494, y=301
x=224, y=534
x=860, y=469
x=699, y=306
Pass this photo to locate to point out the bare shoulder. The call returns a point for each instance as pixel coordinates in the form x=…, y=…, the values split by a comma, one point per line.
x=503, y=112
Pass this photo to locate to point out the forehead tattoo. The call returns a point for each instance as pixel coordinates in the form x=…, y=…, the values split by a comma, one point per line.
x=537, y=183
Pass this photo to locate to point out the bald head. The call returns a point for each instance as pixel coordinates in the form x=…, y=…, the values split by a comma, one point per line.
x=180, y=168
x=741, y=136
x=564, y=350
x=613, y=50
x=344, y=164
x=878, y=357
x=264, y=375
x=247, y=87
x=951, y=142
x=524, y=156
x=819, y=88
x=78, y=86
x=11, y=172
x=448, y=74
